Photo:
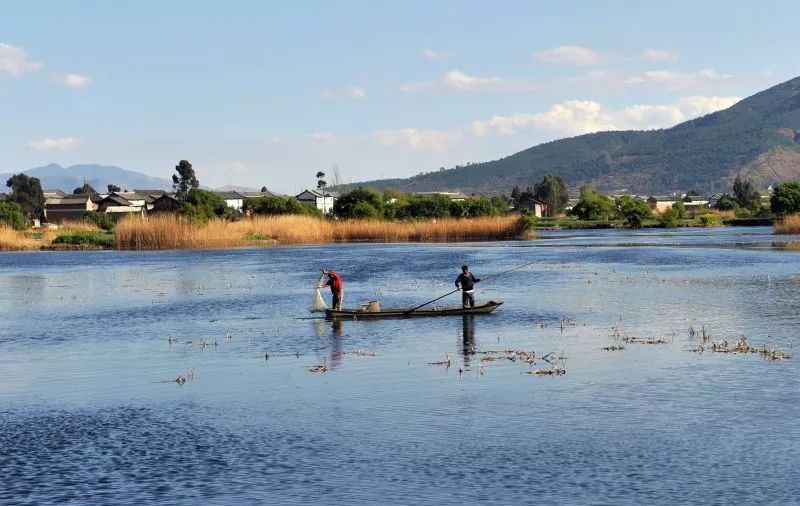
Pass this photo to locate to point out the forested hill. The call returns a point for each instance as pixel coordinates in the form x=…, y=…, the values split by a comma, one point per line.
x=759, y=137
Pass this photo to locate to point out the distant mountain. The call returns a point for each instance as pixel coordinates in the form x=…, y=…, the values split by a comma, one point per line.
x=54, y=176
x=758, y=137
x=235, y=188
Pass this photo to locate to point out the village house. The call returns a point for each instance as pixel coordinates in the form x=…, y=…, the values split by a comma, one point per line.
x=319, y=198
x=119, y=204
x=234, y=200
x=166, y=203
x=695, y=203
x=660, y=203
x=59, y=207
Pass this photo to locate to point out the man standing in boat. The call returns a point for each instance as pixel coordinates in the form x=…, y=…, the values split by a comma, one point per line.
x=466, y=282
x=335, y=282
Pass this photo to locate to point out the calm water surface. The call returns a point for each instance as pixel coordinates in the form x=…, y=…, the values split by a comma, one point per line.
x=88, y=412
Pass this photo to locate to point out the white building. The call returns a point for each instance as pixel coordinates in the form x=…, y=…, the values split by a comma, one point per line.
x=319, y=198
x=234, y=200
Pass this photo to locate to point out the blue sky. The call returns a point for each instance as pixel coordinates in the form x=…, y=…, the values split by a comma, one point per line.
x=258, y=93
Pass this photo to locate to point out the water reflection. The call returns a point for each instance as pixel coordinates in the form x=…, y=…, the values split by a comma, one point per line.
x=334, y=331
x=467, y=337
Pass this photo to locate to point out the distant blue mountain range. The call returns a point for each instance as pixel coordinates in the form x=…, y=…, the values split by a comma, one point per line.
x=55, y=176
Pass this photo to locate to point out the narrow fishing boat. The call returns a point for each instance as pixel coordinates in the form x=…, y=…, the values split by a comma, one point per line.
x=373, y=311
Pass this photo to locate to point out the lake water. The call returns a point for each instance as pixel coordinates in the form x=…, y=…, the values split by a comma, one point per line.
x=91, y=341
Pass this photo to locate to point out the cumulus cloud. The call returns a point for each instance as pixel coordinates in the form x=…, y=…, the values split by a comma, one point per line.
x=570, y=55
x=425, y=139
x=15, y=61
x=76, y=81
x=350, y=92
x=575, y=117
x=460, y=81
x=54, y=144
x=658, y=55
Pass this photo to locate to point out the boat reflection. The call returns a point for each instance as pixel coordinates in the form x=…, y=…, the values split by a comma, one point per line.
x=334, y=331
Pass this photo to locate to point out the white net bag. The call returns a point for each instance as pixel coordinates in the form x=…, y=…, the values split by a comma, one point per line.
x=318, y=305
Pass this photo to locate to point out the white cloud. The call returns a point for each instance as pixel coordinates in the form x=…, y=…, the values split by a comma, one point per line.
x=700, y=106
x=425, y=139
x=349, y=92
x=459, y=81
x=76, y=81
x=54, y=144
x=668, y=79
x=327, y=137
x=431, y=54
x=575, y=117
x=658, y=55
x=570, y=55
x=15, y=61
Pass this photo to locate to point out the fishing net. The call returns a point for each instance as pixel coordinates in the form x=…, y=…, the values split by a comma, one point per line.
x=318, y=305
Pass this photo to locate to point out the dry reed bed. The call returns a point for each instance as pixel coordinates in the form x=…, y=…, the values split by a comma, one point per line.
x=172, y=232
x=788, y=225
x=25, y=240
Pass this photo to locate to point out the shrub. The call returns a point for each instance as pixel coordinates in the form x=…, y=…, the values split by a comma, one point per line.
x=102, y=220
x=275, y=206
x=100, y=239
x=11, y=215
x=709, y=220
x=669, y=218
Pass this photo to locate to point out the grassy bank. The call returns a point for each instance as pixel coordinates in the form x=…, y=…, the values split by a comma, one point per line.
x=788, y=225
x=171, y=232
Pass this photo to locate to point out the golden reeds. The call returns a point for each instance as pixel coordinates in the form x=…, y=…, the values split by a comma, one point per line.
x=788, y=225
x=173, y=232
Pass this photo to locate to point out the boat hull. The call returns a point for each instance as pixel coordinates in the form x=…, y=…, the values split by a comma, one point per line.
x=484, y=308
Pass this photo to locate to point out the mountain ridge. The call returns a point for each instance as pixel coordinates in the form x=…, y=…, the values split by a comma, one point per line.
x=53, y=176
x=758, y=136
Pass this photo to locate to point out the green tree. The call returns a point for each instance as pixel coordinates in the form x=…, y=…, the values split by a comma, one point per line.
x=86, y=189
x=11, y=215
x=321, y=183
x=745, y=193
x=726, y=202
x=786, y=198
x=113, y=188
x=680, y=209
x=345, y=205
x=184, y=181
x=27, y=192
x=202, y=205
x=516, y=192
x=633, y=211
x=593, y=206
x=552, y=190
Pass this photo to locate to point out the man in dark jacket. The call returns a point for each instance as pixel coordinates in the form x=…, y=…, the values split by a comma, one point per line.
x=335, y=282
x=466, y=282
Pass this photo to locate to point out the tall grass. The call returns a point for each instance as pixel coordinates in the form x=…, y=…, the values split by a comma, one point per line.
x=11, y=240
x=788, y=225
x=172, y=232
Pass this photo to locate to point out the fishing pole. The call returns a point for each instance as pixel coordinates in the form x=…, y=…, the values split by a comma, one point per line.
x=482, y=279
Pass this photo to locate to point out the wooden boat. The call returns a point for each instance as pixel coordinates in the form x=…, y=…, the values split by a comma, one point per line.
x=483, y=308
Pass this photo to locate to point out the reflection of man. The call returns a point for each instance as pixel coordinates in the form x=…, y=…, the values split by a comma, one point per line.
x=468, y=336
x=335, y=282
x=466, y=282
